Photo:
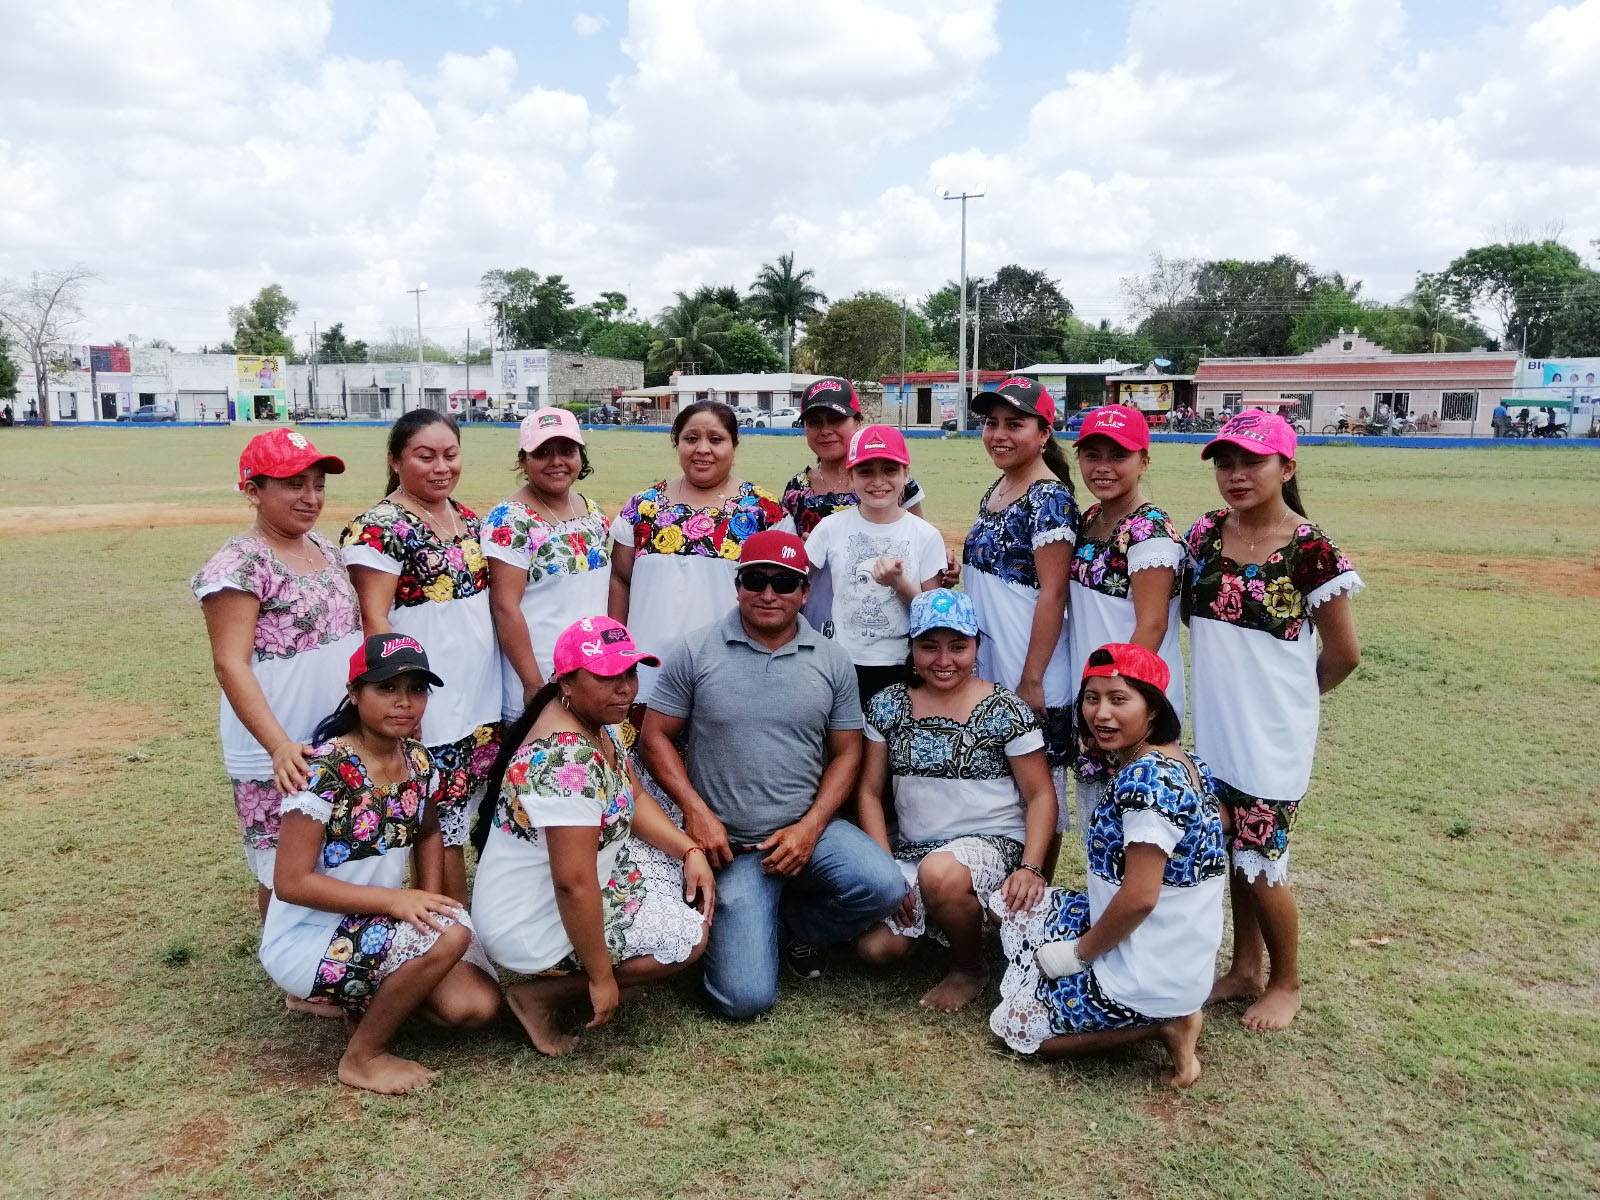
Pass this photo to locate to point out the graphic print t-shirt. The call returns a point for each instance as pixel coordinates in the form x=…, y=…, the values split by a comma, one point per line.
x=869, y=620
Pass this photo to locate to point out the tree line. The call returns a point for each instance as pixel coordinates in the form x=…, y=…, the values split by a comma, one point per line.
x=1544, y=301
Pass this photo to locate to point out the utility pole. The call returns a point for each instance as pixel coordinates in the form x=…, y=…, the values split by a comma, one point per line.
x=421, y=391
x=977, y=334
x=961, y=343
x=313, y=372
x=902, y=360
x=469, y=372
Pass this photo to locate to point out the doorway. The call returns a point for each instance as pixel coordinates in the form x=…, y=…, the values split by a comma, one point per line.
x=108, y=406
x=924, y=406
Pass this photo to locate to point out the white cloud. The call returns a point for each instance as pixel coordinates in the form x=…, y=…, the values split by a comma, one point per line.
x=737, y=131
x=586, y=25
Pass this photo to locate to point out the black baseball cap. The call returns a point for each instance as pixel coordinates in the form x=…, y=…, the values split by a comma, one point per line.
x=832, y=392
x=1021, y=393
x=386, y=655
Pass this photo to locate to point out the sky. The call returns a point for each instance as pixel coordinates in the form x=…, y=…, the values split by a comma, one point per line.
x=191, y=151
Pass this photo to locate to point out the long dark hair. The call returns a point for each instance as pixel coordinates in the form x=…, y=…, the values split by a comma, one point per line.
x=1291, y=495
x=510, y=740
x=716, y=408
x=1055, y=458
x=583, y=456
x=339, y=722
x=406, y=428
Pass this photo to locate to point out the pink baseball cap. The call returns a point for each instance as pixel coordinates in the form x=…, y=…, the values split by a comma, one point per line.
x=877, y=441
x=1123, y=425
x=599, y=646
x=539, y=426
x=1256, y=431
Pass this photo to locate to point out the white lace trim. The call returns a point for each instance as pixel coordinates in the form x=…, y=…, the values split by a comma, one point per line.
x=988, y=869
x=1349, y=581
x=1062, y=533
x=1252, y=864
x=1153, y=553
x=312, y=805
x=1021, y=1019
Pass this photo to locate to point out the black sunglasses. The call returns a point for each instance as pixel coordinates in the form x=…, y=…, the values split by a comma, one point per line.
x=784, y=583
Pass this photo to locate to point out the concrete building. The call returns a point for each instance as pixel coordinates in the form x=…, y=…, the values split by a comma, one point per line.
x=1461, y=388
x=928, y=398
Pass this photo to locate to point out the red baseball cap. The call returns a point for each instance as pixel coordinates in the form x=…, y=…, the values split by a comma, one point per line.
x=1130, y=662
x=1021, y=393
x=386, y=655
x=1123, y=425
x=877, y=441
x=1256, y=431
x=282, y=453
x=775, y=548
x=599, y=646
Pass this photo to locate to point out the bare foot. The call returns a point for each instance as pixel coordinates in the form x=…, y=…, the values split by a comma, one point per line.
x=386, y=1074
x=316, y=1008
x=1234, y=987
x=539, y=1020
x=955, y=991
x=1180, y=1037
x=1275, y=1010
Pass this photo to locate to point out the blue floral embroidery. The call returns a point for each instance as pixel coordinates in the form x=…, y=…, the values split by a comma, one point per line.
x=939, y=748
x=1002, y=543
x=1157, y=783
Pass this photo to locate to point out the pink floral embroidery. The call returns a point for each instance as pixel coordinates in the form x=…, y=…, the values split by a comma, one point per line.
x=571, y=777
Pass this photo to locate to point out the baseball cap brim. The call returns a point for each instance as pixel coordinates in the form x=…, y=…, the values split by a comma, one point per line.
x=772, y=562
x=618, y=662
x=385, y=671
x=331, y=463
x=1243, y=443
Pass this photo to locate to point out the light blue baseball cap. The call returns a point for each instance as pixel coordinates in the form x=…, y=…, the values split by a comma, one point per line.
x=943, y=608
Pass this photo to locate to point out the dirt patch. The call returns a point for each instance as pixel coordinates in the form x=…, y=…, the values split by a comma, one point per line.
x=90, y=518
x=1563, y=576
x=195, y=1148
x=87, y=738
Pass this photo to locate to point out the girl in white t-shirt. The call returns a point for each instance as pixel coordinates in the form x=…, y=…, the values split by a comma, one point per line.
x=1263, y=586
x=564, y=891
x=342, y=926
x=1132, y=957
x=876, y=558
x=1126, y=565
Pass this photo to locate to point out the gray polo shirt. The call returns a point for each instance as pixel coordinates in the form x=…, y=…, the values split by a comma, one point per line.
x=758, y=720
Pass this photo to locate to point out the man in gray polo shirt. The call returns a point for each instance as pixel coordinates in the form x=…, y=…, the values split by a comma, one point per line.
x=773, y=724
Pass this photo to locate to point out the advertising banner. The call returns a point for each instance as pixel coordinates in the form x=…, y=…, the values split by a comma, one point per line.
x=1570, y=384
x=1155, y=396
x=522, y=374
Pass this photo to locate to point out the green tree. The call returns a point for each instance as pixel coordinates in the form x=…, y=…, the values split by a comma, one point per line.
x=1328, y=312
x=859, y=338
x=1575, y=328
x=334, y=347
x=783, y=299
x=689, y=336
x=1523, y=283
x=941, y=313
x=261, y=326
x=725, y=296
x=1085, y=343
x=8, y=370
x=1428, y=320
x=530, y=311
x=746, y=349
x=1022, y=311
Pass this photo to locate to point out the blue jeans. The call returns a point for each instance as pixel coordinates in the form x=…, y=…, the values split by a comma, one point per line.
x=849, y=883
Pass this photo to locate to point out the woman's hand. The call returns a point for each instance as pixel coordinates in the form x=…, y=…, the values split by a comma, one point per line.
x=1031, y=692
x=423, y=909
x=907, y=912
x=699, y=883
x=1022, y=889
x=951, y=575
x=604, y=996
x=290, y=771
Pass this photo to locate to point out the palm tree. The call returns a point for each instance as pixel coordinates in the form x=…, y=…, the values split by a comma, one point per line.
x=691, y=333
x=782, y=298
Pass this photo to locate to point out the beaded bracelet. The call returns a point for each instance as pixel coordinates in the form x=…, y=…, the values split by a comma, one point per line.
x=1039, y=871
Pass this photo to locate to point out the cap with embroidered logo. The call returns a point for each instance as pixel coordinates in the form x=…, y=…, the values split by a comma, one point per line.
x=540, y=426
x=1256, y=431
x=877, y=441
x=1123, y=425
x=1021, y=393
x=775, y=548
x=386, y=655
x=943, y=608
x=833, y=392
x=600, y=646
x=283, y=454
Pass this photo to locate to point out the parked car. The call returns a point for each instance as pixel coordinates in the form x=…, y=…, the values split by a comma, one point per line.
x=777, y=418
x=746, y=414
x=974, y=421
x=149, y=412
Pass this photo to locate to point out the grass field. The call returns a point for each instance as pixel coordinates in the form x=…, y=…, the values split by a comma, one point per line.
x=1453, y=813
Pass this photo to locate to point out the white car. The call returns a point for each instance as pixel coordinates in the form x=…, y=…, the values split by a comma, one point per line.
x=777, y=418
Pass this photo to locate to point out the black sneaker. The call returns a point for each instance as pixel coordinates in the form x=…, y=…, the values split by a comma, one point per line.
x=804, y=960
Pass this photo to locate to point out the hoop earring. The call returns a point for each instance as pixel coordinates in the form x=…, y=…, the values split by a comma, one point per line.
x=564, y=703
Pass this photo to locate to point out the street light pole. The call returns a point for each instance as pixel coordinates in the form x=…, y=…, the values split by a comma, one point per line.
x=961, y=347
x=417, y=292
x=977, y=335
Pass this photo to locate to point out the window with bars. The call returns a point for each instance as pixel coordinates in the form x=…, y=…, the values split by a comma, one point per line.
x=1302, y=405
x=1399, y=402
x=1458, y=406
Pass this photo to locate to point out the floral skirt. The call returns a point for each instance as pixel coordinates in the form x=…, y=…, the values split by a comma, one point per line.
x=1260, y=841
x=367, y=948
x=989, y=859
x=257, y=802
x=463, y=767
x=1034, y=1009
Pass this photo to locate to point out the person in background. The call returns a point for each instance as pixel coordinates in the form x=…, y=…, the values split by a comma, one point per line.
x=1340, y=417
x=561, y=893
x=677, y=542
x=1131, y=957
x=418, y=566
x=342, y=926
x=549, y=552
x=1263, y=587
x=767, y=712
x=283, y=621
x=874, y=558
x=972, y=793
x=1018, y=557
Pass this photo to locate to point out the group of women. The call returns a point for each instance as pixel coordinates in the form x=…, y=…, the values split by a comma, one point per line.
x=434, y=666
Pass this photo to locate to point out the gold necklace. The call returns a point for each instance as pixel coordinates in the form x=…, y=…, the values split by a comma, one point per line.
x=455, y=528
x=312, y=558
x=550, y=514
x=1239, y=525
